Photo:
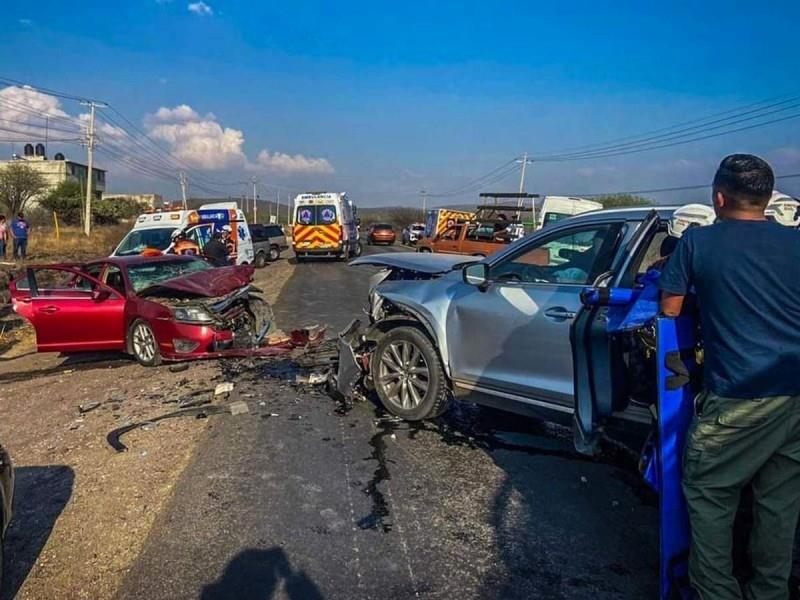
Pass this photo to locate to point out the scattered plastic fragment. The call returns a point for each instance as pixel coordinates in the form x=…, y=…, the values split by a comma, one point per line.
x=223, y=388
x=199, y=412
x=178, y=367
x=239, y=408
x=89, y=406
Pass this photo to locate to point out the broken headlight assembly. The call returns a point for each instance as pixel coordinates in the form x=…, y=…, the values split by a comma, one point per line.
x=192, y=314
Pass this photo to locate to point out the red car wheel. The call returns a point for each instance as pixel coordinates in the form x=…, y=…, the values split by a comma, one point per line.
x=143, y=344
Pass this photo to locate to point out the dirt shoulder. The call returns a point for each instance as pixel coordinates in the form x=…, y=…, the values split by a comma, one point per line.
x=82, y=510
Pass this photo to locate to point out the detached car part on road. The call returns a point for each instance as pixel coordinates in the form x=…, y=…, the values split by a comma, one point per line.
x=166, y=307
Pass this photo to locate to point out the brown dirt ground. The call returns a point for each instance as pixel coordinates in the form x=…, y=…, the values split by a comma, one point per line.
x=110, y=500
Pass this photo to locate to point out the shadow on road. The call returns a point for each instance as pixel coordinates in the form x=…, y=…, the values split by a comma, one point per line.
x=40, y=495
x=257, y=574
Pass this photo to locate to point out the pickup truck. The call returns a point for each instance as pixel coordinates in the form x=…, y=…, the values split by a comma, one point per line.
x=472, y=239
x=268, y=243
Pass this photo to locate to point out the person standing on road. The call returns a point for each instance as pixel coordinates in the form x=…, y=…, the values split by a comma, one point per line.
x=20, y=230
x=743, y=270
x=216, y=251
x=3, y=236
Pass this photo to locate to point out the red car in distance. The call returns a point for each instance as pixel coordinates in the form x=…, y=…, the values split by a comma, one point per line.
x=165, y=307
x=381, y=233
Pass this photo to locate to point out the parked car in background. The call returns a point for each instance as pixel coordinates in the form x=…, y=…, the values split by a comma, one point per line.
x=381, y=233
x=471, y=239
x=413, y=233
x=6, y=498
x=268, y=243
x=164, y=307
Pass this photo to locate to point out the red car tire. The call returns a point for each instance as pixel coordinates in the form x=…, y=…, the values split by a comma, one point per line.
x=143, y=344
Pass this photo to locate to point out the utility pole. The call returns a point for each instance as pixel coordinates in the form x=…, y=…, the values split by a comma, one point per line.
x=424, y=195
x=255, y=200
x=90, y=142
x=182, y=179
x=525, y=161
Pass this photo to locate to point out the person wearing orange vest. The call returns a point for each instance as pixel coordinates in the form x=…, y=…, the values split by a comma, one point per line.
x=181, y=244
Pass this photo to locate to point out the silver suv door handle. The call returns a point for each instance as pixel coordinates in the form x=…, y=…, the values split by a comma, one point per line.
x=559, y=313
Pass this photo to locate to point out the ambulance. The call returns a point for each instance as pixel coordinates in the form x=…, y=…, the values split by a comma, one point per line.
x=325, y=224
x=439, y=219
x=154, y=230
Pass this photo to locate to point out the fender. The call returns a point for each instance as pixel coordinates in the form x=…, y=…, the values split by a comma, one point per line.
x=416, y=319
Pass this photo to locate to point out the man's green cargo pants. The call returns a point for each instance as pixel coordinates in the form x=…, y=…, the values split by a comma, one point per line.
x=732, y=443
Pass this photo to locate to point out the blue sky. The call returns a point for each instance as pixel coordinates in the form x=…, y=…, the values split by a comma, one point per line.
x=384, y=100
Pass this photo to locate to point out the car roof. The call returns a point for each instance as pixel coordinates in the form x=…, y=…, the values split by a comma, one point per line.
x=637, y=213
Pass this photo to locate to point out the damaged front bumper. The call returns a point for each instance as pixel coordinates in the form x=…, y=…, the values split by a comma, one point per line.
x=275, y=344
x=352, y=377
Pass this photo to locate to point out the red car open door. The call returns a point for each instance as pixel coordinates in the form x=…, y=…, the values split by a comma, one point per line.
x=70, y=310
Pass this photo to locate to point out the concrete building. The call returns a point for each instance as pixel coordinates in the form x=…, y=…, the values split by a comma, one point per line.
x=57, y=170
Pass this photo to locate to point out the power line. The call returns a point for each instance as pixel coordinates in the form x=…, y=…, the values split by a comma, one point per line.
x=694, y=135
x=697, y=122
x=492, y=176
x=47, y=91
x=681, y=188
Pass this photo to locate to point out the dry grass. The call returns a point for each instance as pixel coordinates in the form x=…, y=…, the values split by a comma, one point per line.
x=72, y=244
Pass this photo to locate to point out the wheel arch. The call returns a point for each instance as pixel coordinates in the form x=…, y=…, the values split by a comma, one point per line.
x=410, y=318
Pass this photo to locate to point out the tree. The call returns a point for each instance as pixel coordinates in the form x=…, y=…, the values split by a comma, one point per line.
x=618, y=200
x=18, y=184
x=66, y=200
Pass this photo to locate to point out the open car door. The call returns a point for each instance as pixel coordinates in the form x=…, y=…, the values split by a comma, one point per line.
x=599, y=371
x=70, y=310
x=601, y=390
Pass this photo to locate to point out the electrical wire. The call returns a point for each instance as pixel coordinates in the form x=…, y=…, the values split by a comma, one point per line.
x=697, y=122
x=680, y=188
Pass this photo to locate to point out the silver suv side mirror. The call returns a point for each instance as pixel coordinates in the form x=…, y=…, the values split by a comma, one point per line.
x=476, y=274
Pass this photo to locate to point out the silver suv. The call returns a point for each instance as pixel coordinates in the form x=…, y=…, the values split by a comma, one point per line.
x=494, y=331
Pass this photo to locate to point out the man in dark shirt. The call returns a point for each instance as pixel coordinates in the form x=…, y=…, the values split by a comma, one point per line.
x=216, y=251
x=744, y=272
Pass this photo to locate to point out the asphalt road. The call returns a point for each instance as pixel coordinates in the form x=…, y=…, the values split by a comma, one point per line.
x=314, y=503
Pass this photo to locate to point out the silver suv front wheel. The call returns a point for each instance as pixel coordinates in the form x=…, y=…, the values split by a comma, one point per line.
x=408, y=375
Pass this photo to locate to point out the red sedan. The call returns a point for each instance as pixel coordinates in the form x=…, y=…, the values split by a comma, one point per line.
x=166, y=307
x=381, y=233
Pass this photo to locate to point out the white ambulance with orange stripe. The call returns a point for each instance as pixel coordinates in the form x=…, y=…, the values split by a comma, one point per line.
x=325, y=224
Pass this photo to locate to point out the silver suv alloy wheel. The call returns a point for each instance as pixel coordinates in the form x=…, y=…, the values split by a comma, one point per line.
x=403, y=374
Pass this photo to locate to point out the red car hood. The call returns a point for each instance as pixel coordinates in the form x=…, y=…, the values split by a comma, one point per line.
x=207, y=284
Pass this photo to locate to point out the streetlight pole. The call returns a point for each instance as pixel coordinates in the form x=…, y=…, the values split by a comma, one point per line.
x=424, y=195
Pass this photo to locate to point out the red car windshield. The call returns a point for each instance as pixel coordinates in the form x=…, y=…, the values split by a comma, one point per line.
x=148, y=274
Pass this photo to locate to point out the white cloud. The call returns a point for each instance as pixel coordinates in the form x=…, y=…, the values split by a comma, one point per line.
x=293, y=163
x=201, y=8
x=199, y=141
x=26, y=112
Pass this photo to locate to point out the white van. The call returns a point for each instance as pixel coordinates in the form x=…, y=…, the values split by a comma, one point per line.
x=325, y=224
x=555, y=208
x=154, y=230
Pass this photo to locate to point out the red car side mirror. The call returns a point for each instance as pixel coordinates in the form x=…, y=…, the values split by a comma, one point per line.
x=100, y=294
